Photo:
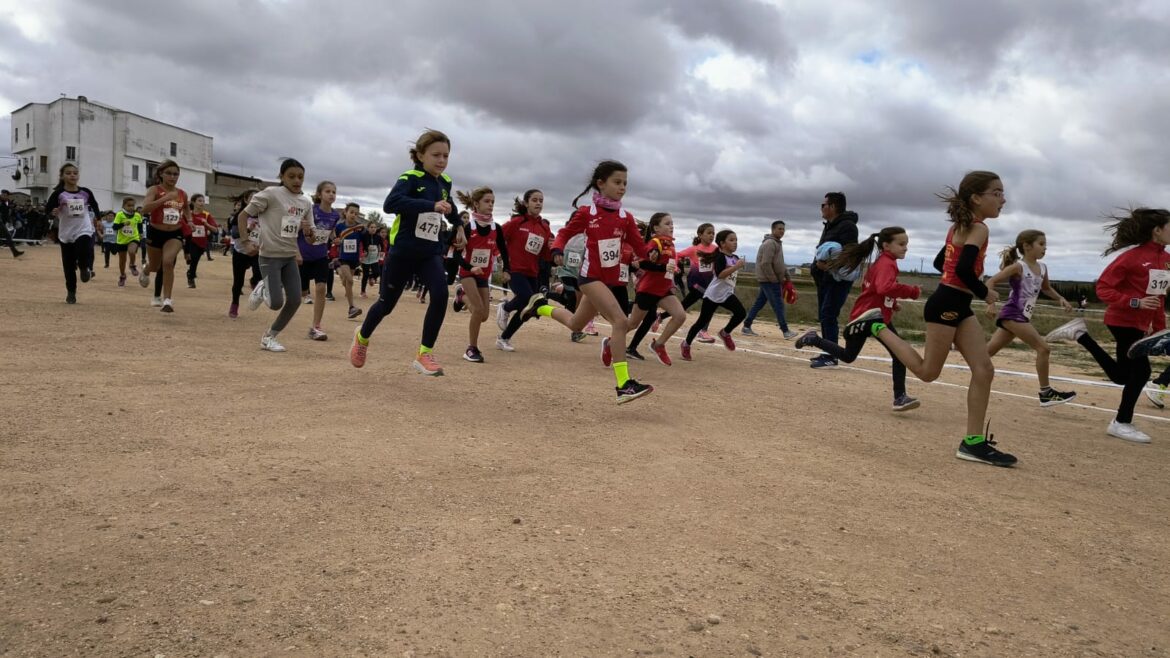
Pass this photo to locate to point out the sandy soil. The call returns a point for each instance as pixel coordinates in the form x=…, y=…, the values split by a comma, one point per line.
x=170, y=490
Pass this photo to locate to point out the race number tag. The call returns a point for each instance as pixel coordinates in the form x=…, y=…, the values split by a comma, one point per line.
x=609, y=252
x=706, y=267
x=427, y=227
x=128, y=231
x=198, y=231
x=534, y=244
x=480, y=258
x=671, y=266
x=289, y=225
x=321, y=235
x=573, y=260
x=349, y=246
x=1159, y=282
x=171, y=216
x=76, y=207
x=372, y=252
x=624, y=273
x=1028, y=308
x=108, y=233
x=733, y=278
x=254, y=235
x=889, y=302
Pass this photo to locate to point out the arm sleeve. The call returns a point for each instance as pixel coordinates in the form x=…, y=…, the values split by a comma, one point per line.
x=634, y=237
x=720, y=264
x=1109, y=284
x=965, y=270
x=885, y=283
x=502, y=244
x=92, y=203
x=941, y=259
x=399, y=199
x=258, y=204
x=577, y=224
x=453, y=217
x=53, y=202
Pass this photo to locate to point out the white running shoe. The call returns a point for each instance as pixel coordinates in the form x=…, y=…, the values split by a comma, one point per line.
x=1127, y=432
x=168, y=306
x=501, y=318
x=258, y=296
x=505, y=345
x=270, y=344
x=1069, y=331
x=156, y=301
x=1157, y=396
x=144, y=278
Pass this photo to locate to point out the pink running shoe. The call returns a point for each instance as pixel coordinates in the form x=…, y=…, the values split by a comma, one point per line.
x=606, y=354
x=590, y=330
x=427, y=365
x=660, y=353
x=357, y=352
x=705, y=337
x=686, y=351
x=727, y=341
x=654, y=327
x=234, y=311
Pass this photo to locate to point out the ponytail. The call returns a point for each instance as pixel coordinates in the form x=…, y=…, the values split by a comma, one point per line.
x=1009, y=256
x=959, y=200
x=703, y=228
x=720, y=238
x=655, y=220
x=852, y=256
x=602, y=171
x=471, y=199
x=520, y=207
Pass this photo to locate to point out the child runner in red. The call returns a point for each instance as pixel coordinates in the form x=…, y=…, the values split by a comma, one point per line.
x=606, y=226
x=485, y=241
x=1134, y=286
x=166, y=205
x=720, y=292
x=880, y=292
x=202, y=223
x=654, y=286
x=949, y=318
x=529, y=240
x=1021, y=268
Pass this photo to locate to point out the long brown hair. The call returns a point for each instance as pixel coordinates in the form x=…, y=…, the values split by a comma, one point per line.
x=720, y=238
x=471, y=199
x=602, y=171
x=703, y=228
x=959, y=200
x=1011, y=254
x=852, y=256
x=1136, y=228
x=163, y=166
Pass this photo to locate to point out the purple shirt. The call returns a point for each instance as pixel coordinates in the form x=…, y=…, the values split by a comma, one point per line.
x=317, y=247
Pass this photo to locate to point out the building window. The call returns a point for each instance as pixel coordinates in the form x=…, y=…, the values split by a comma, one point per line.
x=174, y=149
x=26, y=131
x=134, y=173
x=44, y=164
x=71, y=153
x=151, y=168
x=15, y=135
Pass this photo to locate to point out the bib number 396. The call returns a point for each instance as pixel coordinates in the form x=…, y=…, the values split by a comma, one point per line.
x=1159, y=282
x=427, y=227
x=480, y=257
x=609, y=252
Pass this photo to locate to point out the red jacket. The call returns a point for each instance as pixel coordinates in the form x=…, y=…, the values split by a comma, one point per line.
x=881, y=289
x=528, y=239
x=1137, y=272
x=201, y=225
x=661, y=253
x=605, y=232
x=481, y=251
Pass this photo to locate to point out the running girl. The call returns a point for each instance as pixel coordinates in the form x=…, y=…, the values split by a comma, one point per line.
x=283, y=213
x=420, y=199
x=126, y=224
x=109, y=236
x=314, y=250
x=245, y=253
x=202, y=224
x=166, y=205
x=349, y=241
x=1021, y=268
x=948, y=314
x=528, y=237
x=880, y=291
x=654, y=287
x=606, y=226
x=725, y=265
x=485, y=241
x=1134, y=287
x=698, y=278
x=76, y=212
x=371, y=256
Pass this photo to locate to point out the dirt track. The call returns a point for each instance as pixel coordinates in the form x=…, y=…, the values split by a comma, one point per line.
x=169, y=489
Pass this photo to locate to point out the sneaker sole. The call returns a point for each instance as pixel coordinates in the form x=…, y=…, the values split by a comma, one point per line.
x=1157, y=403
x=1053, y=403
x=166, y=309
x=907, y=407
x=630, y=398
x=972, y=458
x=1130, y=439
x=319, y=339
x=470, y=360
x=423, y=371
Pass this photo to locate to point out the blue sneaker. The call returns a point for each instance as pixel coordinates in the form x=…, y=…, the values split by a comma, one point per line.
x=1156, y=344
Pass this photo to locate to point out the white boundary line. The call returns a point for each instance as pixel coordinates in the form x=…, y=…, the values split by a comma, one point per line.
x=1013, y=373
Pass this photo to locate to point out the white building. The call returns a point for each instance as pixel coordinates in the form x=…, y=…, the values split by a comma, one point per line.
x=116, y=151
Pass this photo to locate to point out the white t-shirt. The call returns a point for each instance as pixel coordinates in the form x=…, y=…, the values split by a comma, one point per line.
x=280, y=213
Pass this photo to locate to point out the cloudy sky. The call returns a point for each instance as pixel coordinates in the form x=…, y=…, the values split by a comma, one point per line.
x=736, y=112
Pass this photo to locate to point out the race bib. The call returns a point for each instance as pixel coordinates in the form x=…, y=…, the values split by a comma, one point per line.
x=321, y=235
x=1159, y=282
x=624, y=273
x=889, y=302
x=198, y=231
x=349, y=246
x=109, y=233
x=534, y=244
x=573, y=260
x=480, y=258
x=671, y=266
x=76, y=207
x=289, y=225
x=372, y=252
x=171, y=216
x=733, y=278
x=1028, y=308
x=706, y=267
x=428, y=225
x=128, y=231
x=609, y=252
x=254, y=235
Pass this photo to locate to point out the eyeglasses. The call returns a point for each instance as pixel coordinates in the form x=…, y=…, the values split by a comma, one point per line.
x=995, y=193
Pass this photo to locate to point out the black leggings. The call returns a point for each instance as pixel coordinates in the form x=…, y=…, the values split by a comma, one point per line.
x=1132, y=374
x=400, y=268
x=240, y=265
x=848, y=354
x=367, y=274
x=194, y=252
x=107, y=249
x=523, y=288
x=76, y=255
x=708, y=311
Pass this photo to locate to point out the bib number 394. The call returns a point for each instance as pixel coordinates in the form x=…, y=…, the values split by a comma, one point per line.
x=427, y=227
x=609, y=252
x=1159, y=282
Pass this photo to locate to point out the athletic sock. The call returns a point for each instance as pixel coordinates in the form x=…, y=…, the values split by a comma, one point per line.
x=621, y=371
x=545, y=311
x=974, y=439
x=877, y=328
x=362, y=341
x=423, y=349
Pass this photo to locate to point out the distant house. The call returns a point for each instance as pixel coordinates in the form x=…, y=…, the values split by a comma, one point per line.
x=117, y=151
x=223, y=189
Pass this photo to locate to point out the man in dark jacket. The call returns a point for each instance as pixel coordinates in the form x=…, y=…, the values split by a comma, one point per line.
x=840, y=227
x=6, y=210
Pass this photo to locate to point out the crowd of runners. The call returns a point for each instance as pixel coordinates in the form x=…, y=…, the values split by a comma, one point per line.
x=292, y=245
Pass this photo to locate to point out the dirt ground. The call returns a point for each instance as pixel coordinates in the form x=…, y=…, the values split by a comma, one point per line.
x=170, y=490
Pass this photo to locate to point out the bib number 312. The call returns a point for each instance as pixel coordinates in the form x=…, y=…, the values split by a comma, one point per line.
x=1159, y=282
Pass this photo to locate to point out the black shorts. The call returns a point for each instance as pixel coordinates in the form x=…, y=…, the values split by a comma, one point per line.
x=948, y=306
x=571, y=283
x=315, y=270
x=647, y=301
x=119, y=248
x=157, y=238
